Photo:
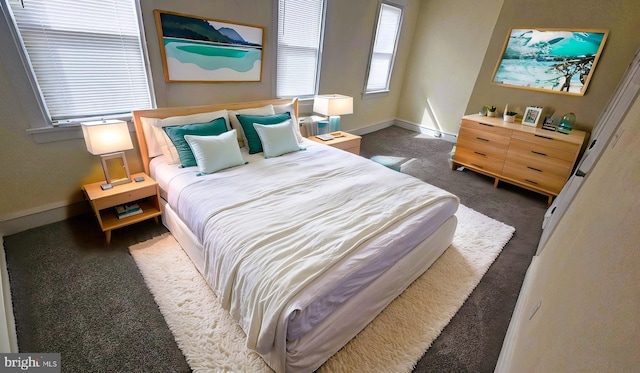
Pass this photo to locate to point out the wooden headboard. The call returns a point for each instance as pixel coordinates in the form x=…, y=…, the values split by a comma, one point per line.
x=188, y=110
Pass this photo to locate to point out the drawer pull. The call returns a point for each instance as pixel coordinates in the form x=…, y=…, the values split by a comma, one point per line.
x=476, y=165
x=530, y=181
x=544, y=137
x=481, y=139
x=486, y=124
x=538, y=153
x=533, y=168
x=482, y=154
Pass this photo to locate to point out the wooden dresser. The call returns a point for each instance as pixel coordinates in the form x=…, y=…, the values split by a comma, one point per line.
x=529, y=157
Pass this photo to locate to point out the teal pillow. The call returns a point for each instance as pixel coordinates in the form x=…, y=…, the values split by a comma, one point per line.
x=247, y=121
x=215, y=153
x=177, y=133
x=277, y=139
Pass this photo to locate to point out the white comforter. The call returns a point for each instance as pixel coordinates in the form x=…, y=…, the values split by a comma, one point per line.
x=270, y=238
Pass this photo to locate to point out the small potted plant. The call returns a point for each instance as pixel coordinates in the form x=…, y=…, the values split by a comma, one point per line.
x=491, y=111
x=509, y=116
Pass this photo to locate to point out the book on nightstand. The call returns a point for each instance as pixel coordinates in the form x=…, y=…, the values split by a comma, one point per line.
x=128, y=209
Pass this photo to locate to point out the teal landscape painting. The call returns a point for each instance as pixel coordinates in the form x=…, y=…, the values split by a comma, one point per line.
x=197, y=49
x=550, y=60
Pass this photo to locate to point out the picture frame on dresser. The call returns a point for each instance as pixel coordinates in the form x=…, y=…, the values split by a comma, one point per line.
x=532, y=116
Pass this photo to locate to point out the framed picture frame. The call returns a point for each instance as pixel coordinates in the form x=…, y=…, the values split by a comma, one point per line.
x=532, y=116
x=200, y=49
x=554, y=60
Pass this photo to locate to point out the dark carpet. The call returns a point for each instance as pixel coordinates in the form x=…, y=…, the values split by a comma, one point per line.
x=75, y=295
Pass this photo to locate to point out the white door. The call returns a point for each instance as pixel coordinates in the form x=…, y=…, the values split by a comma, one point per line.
x=605, y=131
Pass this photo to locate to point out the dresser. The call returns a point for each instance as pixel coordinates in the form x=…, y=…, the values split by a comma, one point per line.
x=528, y=157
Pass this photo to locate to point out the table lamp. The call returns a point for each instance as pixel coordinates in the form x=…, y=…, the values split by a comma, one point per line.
x=109, y=139
x=333, y=106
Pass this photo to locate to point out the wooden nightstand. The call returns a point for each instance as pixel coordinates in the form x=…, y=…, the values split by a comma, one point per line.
x=145, y=193
x=348, y=142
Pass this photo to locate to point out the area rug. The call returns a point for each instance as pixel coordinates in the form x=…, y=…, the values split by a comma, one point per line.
x=394, y=341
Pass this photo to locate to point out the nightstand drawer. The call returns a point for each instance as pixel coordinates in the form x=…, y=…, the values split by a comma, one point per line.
x=126, y=197
x=350, y=145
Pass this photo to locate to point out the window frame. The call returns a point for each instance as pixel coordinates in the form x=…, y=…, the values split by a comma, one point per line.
x=401, y=5
x=305, y=100
x=41, y=127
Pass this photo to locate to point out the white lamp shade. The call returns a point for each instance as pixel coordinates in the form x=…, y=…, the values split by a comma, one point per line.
x=333, y=105
x=106, y=136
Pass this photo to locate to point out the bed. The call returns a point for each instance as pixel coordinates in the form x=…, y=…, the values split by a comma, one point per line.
x=303, y=244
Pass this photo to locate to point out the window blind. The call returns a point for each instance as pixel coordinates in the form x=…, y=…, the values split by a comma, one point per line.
x=384, y=48
x=300, y=26
x=86, y=56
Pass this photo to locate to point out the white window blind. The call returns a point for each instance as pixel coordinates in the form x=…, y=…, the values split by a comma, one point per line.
x=384, y=48
x=300, y=28
x=86, y=56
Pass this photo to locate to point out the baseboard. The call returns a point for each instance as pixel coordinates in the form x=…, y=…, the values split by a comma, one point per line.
x=8, y=337
x=450, y=137
x=372, y=128
x=39, y=216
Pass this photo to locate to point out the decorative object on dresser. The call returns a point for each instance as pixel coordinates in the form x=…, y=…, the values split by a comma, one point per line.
x=566, y=123
x=109, y=139
x=550, y=60
x=491, y=111
x=529, y=157
x=333, y=106
x=549, y=125
x=532, y=116
x=124, y=204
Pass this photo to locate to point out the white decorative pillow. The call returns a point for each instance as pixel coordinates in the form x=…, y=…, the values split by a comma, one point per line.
x=165, y=143
x=235, y=123
x=277, y=139
x=214, y=153
x=296, y=126
x=153, y=146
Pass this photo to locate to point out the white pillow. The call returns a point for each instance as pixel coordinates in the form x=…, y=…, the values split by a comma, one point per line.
x=214, y=153
x=277, y=139
x=296, y=125
x=165, y=143
x=153, y=146
x=235, y=123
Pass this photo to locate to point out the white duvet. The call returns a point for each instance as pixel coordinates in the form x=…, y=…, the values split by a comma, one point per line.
x=268, y=234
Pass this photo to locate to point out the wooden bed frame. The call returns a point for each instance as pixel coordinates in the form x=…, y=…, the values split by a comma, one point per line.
x=188, y=110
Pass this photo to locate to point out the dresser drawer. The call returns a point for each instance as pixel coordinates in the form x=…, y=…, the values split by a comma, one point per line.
x=481, y=161
x=537, y=157
x=474, y=139
x=485, y=128
x=526, y=175
x=552, y=146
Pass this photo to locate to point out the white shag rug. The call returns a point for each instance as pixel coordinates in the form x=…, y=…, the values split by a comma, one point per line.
x=394, y=342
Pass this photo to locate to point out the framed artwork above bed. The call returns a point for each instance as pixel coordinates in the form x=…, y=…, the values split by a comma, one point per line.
x=550, y=60
x=199, y=49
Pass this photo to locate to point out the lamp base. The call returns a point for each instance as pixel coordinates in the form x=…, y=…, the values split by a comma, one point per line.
x=334, y=123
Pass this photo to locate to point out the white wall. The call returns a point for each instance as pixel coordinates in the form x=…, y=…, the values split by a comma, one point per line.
x=587, y=276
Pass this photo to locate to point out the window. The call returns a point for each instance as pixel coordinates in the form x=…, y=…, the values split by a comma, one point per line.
x=384, y=48
x=86, y=57
x=300, y=30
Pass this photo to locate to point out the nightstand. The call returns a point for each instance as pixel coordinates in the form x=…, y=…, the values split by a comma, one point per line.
x=348, y=142
x=145, y=193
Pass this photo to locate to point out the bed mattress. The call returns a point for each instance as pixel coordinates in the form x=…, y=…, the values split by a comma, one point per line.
x=331, y=290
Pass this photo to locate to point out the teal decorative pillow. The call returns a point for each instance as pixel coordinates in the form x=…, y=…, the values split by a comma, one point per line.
x=247, y=121
x=214, y=153
x=277, y=139
x=177, y=133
